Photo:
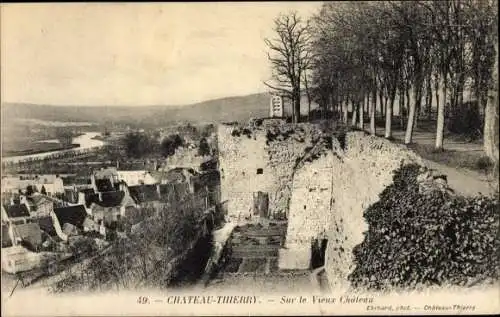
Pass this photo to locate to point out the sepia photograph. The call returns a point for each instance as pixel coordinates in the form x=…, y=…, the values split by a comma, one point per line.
x=250, y=158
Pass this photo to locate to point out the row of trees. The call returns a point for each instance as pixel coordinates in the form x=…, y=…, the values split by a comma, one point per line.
x=371, y=54
x=139, y=145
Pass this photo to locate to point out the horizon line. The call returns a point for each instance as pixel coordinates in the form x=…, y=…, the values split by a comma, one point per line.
x=129, y=105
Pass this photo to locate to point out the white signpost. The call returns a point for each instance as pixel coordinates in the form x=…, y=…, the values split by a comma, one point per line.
x=276, y=107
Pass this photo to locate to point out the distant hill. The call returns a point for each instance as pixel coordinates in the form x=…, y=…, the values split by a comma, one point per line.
x=238, y=108
x=218, y=110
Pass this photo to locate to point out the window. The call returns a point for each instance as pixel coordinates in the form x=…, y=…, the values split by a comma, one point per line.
x=260, y=171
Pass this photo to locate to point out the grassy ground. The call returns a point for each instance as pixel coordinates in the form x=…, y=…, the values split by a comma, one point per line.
x=457, y=159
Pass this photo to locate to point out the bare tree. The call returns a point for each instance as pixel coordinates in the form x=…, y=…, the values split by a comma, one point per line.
x=289, y=55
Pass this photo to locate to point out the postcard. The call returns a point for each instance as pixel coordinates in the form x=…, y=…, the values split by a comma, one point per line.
x=250, y=158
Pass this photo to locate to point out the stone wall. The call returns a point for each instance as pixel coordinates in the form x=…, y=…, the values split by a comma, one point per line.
x=323, y=196
x=368, y=166
x=239, y=159
x=275, y=147
x=330, y=194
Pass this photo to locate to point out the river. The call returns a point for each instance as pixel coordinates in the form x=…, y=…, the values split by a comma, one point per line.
x=86, y=142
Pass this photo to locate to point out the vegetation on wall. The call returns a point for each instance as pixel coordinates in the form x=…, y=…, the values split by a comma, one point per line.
x=427, y=237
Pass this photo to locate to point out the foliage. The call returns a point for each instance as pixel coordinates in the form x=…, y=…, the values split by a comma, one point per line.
x=170, y=144
x=43, y=191
x=380, y=50
x=30, y=190
x=138, y=144
x=466, y=121
x=64, y=135
x=134, y=258
x=203, y=147
x=427, y=238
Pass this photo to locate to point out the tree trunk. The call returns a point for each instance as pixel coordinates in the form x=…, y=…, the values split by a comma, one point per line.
x=361, y=108
x=345, y=118
x=440, y=116
x=388, y=114
x=296, y=107
x=436, y=88
x=373, y=109
x=354, y=113
x=491, y=113
x=381, y=97
x=402, y=109
x=414, y=105
x=429, y=99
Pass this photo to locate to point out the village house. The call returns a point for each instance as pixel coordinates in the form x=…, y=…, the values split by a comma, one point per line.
x=51, y=185
x=133, y=178
x=174, y=175
x=65, y=222
x=74, y=220
x=144, y=194
x=52, y=233
x=111, y=206
x=113, y=177
x=15, y=213
x=38, y=205
x=27, y=235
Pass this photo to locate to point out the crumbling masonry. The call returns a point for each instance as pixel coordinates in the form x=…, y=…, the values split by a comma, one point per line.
x=320, y=183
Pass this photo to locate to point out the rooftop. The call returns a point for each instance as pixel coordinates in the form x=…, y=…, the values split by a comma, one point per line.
x=143, y=193
x=16, y=211
x=74, y=215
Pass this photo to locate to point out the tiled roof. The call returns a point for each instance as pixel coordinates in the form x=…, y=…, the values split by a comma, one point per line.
x=143, y=193
x=111, y=199
x=74, y=215
x=28, y=232
x=14, y=211
x=174, y=190
x=87, y=191
x=47, y=225
x=104, y=185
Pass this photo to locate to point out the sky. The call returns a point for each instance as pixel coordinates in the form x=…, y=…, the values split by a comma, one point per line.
x=136, y=54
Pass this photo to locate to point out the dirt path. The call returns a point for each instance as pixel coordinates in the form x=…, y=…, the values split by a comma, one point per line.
x=463, y=181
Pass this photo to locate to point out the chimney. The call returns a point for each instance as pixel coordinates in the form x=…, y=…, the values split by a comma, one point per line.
x=158, y=190
x=100, y=196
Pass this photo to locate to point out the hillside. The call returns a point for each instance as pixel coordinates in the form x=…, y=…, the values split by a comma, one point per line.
x=218, y=110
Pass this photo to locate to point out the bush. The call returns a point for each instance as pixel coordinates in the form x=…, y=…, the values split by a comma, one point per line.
x=429, y=238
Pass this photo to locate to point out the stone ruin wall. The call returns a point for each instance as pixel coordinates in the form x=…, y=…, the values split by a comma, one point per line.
x=239, y=159
x=353, y=178
x=335, y=189
x=283, y=156
x=241, y=156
